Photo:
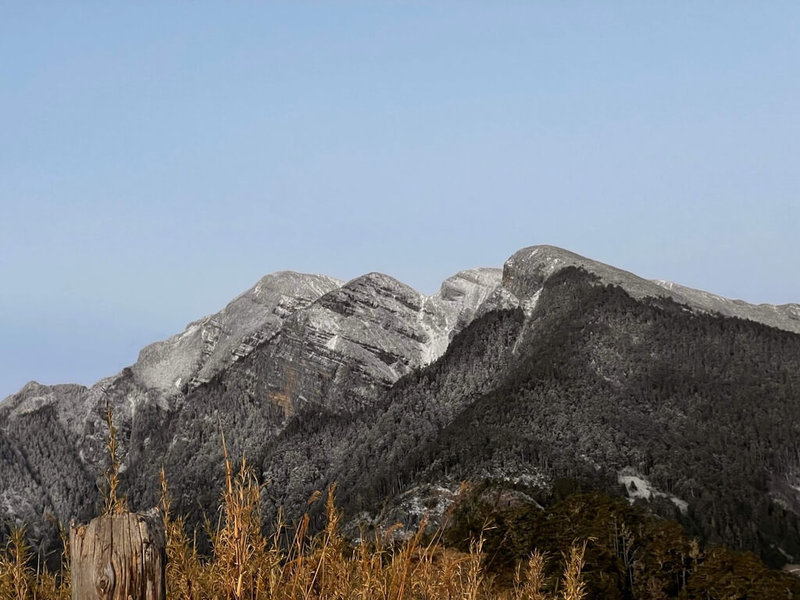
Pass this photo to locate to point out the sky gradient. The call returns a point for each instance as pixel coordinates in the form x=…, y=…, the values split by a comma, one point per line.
x=158, y=158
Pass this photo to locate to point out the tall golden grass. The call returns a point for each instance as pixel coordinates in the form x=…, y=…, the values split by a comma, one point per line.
x=244, y=564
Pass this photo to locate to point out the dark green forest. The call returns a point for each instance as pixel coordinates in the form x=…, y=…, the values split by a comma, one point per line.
x=629, y=553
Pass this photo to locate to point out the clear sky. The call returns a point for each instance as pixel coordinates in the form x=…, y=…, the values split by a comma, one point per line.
x=158, y=158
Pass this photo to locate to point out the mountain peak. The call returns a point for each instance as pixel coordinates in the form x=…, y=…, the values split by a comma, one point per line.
x=212, y=343
x=291, y=284
x=380, y=280
x=526, y=270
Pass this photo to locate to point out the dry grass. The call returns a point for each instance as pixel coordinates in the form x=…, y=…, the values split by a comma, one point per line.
x=19, y=580
x=113, y=503
x=245, y=564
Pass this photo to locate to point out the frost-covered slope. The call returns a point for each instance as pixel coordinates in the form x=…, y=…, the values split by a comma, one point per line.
x=211, y=344
x=526, y=271
x=343, y=349
x=784, y=316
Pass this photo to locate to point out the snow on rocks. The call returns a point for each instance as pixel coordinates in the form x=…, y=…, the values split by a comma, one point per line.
x=638, y=487
x=212, y=343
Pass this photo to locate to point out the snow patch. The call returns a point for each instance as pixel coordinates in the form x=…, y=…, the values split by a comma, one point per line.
x=792, y=569
x=529, y=304
x=637, y=487
x=438, y=339
x=453, y=307
x=332, y=342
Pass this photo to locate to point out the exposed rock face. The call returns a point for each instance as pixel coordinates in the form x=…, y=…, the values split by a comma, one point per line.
x=460, y=299
x=786, y=316
x=35, y=396
x=527, y=270
x=357, y=340
x=211, y=344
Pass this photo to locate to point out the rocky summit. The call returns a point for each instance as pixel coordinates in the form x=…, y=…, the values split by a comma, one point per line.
x=554, y=368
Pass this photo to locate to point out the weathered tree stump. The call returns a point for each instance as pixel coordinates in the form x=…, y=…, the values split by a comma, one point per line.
x=118, y=557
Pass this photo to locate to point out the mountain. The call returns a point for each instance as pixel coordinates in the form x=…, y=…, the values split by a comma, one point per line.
x=554, y=371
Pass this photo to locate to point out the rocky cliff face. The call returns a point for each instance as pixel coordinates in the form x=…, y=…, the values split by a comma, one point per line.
x=359, y=339
x=213, y=343
x=309, y=376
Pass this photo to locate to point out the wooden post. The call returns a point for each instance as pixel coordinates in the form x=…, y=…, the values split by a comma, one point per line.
x=118, y=557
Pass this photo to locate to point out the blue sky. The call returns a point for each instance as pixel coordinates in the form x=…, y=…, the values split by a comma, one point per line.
x=157, y=158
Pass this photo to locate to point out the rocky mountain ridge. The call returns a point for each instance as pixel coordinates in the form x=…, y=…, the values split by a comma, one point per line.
x=325, y=341
x=526, y=270
x=212, y=343
x=312, y=376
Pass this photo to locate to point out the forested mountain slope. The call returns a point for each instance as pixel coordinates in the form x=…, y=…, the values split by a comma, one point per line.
x=700, y=413
x=697, y=415
x=559, y=371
